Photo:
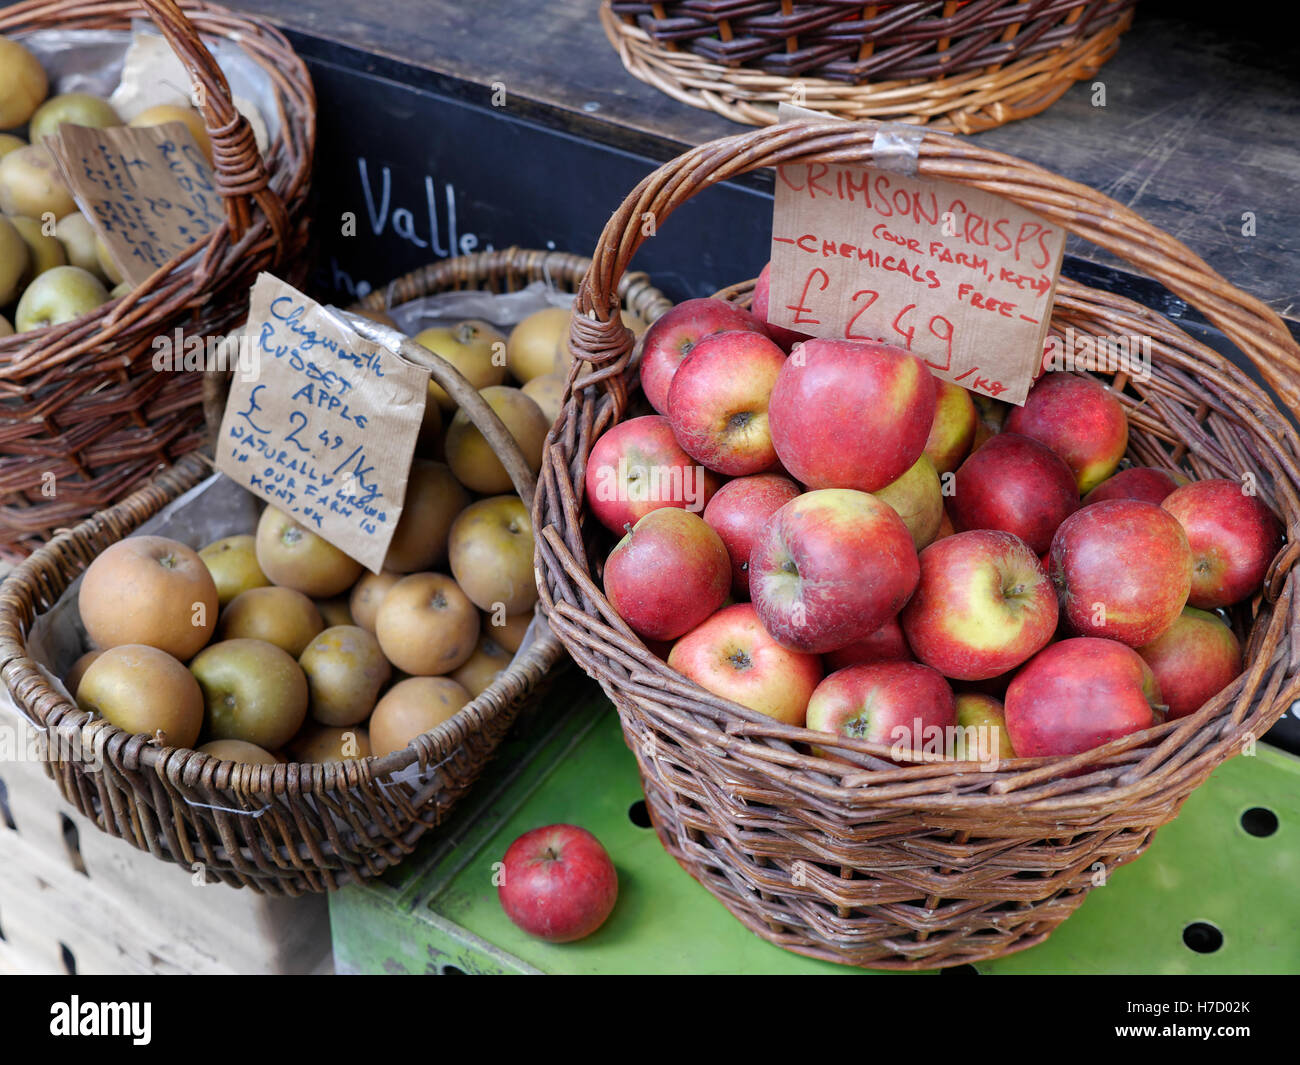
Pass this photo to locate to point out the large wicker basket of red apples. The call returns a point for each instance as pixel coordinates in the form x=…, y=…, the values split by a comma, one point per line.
x=908, y=673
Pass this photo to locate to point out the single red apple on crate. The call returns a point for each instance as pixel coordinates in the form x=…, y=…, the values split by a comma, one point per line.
x=1234, y=538
x=718, y=400
x=672, y=337
x=738, y=512
x=953, y=430
x=668, y=574
x=917, y=498
x=638, y=466
x=831, y=567
x=1079, y=419
x=886, y=644
x=1079, y=694
x=787, y=338
x=905, y=705
x=1195, y=659
x=1147, y=483
x=982, y=607
x=1015, y=485
x=732, y=655
x=981, y=734
x=847, y=414
x=557, y=883
x=1122, y=569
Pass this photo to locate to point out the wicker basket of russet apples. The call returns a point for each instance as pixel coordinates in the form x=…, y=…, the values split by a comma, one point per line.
x=255, y=701
x=908, y=671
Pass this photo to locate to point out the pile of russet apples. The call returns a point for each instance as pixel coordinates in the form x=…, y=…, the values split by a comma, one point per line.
x=823, y=532
x=53, y=268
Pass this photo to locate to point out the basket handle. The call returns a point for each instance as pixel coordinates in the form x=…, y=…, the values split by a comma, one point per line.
x=241, y=173
x=597, y=335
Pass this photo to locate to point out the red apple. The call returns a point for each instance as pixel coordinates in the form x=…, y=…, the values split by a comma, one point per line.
x=668, y=574
x=903, y=704
x=1079, y=694
x=953, y=430
x=558, y=883
x=1147, y=483
x=886, y=644
x=847, y=414
x=917, y=498
x=1196, y=658
x=1079, y=419
x=1122, y=569
x=1015, y=485
x=983, y=605
x=1234, y=538
x=787, y=338
x=672, y=337
x=717, y=403
x=638, y=466
x=981, y=729
x=732, y=655
x=738, y=512
x=830, y=568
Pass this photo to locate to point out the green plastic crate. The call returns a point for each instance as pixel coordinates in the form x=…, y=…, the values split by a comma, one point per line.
x=1206, y=879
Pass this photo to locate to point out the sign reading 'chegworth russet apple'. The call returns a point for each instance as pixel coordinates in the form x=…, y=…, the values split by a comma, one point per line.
x=962, y=278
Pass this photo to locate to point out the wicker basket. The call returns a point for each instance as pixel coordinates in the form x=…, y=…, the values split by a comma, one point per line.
x=322, y=825
x=963, y=66
x=81, y=401
x=931, y=865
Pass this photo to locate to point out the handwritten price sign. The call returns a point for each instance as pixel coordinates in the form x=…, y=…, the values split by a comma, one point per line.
x=960, y=277
x=325, y=427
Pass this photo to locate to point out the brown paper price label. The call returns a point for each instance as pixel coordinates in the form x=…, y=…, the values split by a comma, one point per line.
x=962, y=278
x=323, y=423
x=148, y=192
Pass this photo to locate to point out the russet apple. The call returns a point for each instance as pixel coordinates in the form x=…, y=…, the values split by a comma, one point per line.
x=474, y=348
x=232, y=561
x=15, y=259
x=78, y=670
x=491, y=554
x=23, y=84
x=1233, y=536
x=1146, y=483
x=787, y=338
x=538, y=345
x=318, y=744
x=60, y=294
x=433, y=499
x=143, y=690
x=45, y=250
x=886, y=644
x=482, y=668
x=161, y=114
x=1078, y=418
x=74, y=108
x=1193, y=660
x=335, y=611
x=848, y=414
x=953, y=430
x=471, y=457
x=239, y=751
x=547, y=391
x=30, y=184
x=917, y=498
x=738, y=512
x=295, y=557
x=426, y=625
x=412, y=707
x=277, y=615
x=831, y=567
x=1122, y=569
x=672, y=337
x=558, y=883
x=510, y=631
x=367, y=594
x=253, y=691
x=983, y=605
x=905, y=705
x=345, y=670
x=730, y=654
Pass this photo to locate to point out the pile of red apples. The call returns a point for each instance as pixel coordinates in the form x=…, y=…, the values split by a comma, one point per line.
x=826, y=533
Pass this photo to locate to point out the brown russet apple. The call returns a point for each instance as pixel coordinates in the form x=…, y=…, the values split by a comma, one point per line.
x=906, y=706
x=143, y=690
x=253, y=691
x=411, y=708
x=511, y=630
x=23, y=84
x=1193, y=660
x=150, y=590
x=471, y=457
x=738, y=512
x=161, y=114
x=232, y=561
x=488, y=661
x=538, y=345
x=433, y=499
x=239, y=751
x=474, y=348
x=367, y=594
x=277, y=615
x=1079, y=419
x=426, y=625
x=547, y=391
x=78, y=671
x=670, y=339
x=345, y=670
x=73, y=108
x=953, y=430
x=491, y=554
x=293, y=556
x=30, y=184
x=318, y=744
x=335, y=611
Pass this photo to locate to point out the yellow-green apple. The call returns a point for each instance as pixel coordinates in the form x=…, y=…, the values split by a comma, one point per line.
x=731, y=655
x=787, y=338
x=1122, y=569
x=1016, y=485
x=232, y=561
x=1079, y=694
x=345, y=670
x=30, y=184
x=638, y=466
x=1195, y=659
x=1234, y=538
x=831, y=567
x=981, y=734
x=668, y=574
x=558, y=883
x=847, y=414
x=474, y=348
x=161, y=114
x=490, y=551
x=61, y=294
x=472, y=458
x=738, y=512
x=903, y=705
x=141, y=689
x=1078, y=418
x=23, y=84
x=74, y=108
x=886, y=644
x=15, y=258
x=1147, y=483
x=953, y=430
x=982, y=607
x=918, y=499
x=253, y=691
x=717, y=403
x=45, y=250
x=671, y=338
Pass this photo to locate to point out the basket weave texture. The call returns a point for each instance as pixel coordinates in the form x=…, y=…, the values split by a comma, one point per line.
x=284, y=829
x=961, y=67
x=81, y=401
x=940, y=863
